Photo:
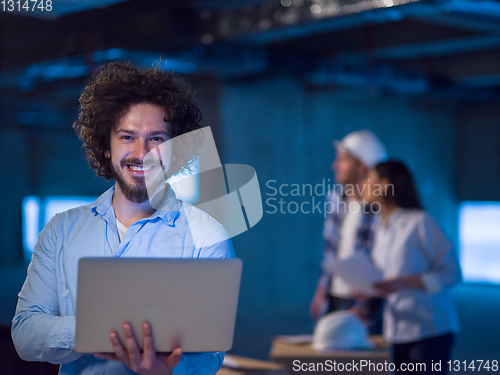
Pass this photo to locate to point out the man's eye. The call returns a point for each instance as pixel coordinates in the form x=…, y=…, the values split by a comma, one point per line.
x=126, y=137
x=157, y=139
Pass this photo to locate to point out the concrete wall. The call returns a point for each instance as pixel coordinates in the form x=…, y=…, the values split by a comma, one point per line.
x=479, y=154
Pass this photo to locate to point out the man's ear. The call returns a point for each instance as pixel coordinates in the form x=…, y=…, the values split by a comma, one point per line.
x=107, y=154
x=363, y=170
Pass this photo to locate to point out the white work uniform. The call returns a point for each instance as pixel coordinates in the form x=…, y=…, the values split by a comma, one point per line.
x=411, y=243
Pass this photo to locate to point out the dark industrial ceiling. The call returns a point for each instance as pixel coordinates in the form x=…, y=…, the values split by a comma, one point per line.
x=411, y=47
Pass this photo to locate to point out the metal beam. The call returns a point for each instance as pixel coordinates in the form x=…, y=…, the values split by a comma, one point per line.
x=462, y=21
x=147, y=25
x=223, y=61
x=263, y=27
x=384, y=78
x=428, y=49
x=388, y=80
x=489, y=80
x=321, y=24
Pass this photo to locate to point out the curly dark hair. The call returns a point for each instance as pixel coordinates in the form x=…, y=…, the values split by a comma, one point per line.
x=113, y=89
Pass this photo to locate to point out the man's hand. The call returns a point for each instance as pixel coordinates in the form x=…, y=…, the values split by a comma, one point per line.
x=317, y=303
x=359, y=296
x=398, y=283
x=147, y=363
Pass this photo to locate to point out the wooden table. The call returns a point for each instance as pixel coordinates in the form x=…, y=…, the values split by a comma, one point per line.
x=303, y=359
x=248, y=366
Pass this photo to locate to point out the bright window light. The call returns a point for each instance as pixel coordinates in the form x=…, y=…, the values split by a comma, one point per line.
x=37, y=212
x=31, y=224
x=480, y=241
x=56, y=205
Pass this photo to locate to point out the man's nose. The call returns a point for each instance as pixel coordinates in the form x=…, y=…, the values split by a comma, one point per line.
x=140, y=149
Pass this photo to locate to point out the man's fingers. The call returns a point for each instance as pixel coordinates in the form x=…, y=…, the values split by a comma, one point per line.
x=121, y=354
x=381, y=287
x=149, y=345
x=134, y=354
x=131, y=356
x=174, y=358
x=385, y=286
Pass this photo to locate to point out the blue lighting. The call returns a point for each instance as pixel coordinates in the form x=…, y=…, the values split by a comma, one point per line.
x=31, y=224
x=37, y=212
x=480, y=241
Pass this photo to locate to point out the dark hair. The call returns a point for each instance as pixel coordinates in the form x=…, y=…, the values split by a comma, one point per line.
x=404, y=192
x=112, y=90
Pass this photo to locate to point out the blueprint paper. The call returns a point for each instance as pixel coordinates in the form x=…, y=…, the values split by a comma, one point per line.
x=359, y=272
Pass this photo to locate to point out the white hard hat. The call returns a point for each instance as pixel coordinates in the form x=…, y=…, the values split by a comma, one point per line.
x=363, y=145
x=340, y=330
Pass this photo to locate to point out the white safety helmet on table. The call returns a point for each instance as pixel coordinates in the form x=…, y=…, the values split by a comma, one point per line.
x=340, y=330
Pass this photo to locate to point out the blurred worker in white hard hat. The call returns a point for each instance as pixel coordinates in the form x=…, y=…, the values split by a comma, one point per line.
x=349, y=227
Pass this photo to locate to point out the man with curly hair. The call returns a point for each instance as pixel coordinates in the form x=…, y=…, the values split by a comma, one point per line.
x=125, y=113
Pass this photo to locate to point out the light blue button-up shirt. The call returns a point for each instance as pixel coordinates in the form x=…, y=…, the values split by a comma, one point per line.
x=43, y=328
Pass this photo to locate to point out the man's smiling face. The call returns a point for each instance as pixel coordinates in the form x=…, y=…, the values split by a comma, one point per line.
x=139, y=130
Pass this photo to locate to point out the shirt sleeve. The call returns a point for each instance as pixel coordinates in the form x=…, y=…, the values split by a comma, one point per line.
x=444, y=269
x=219, y=245
x=199, y=363
x=330, y=237
x=38, y=332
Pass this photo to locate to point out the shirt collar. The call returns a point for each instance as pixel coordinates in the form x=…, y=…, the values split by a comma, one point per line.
x=393, y=218
x=168, y=209
x=102, y=205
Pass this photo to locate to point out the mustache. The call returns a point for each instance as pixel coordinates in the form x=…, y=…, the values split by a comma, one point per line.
x=134, y=161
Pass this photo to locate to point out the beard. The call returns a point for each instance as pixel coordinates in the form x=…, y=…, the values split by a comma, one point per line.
x=136, y=192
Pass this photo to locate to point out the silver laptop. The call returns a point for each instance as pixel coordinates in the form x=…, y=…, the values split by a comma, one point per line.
x=192, y=301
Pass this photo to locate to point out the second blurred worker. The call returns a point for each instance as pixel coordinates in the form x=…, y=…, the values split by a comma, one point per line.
x=419, y=268
x=349, y=227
